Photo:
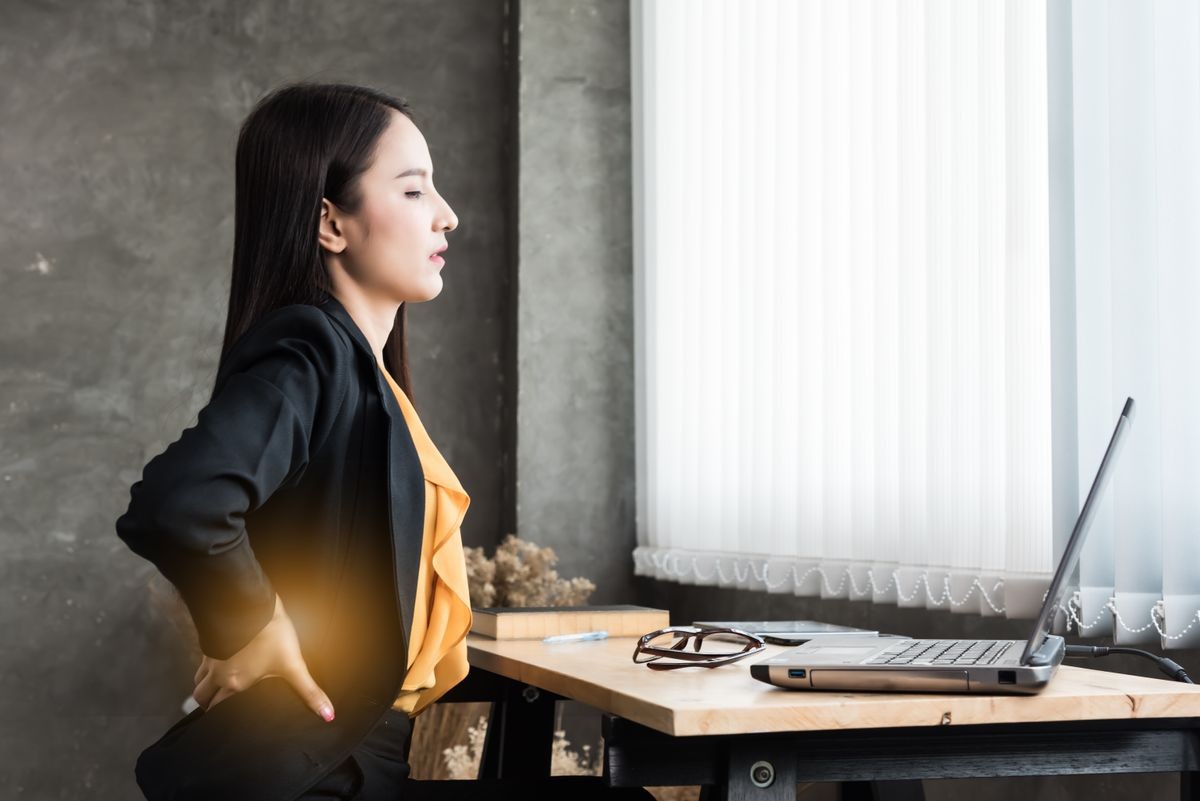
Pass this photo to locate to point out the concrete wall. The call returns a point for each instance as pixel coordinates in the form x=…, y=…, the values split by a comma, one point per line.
x=575, y=467
x=117, y=129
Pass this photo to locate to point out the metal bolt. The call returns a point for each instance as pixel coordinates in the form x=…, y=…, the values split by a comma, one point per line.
x=530, y=694
x=762, y=773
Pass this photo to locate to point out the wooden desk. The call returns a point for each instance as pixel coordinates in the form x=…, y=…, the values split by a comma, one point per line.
x=719, y=728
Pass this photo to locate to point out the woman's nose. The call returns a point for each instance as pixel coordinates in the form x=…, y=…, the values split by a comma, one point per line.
x=449, y=220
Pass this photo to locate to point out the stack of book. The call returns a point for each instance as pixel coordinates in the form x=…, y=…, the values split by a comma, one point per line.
x=535, y=622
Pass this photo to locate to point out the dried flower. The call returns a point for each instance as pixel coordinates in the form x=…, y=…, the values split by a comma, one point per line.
x=565, y=762
x=521, y=573
x=462, y=761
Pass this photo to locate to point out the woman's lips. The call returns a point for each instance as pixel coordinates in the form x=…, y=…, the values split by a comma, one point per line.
x=436, y=259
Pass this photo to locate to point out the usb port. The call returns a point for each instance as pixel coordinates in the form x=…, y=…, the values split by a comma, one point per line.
x=1007, y=676
x=797, y=673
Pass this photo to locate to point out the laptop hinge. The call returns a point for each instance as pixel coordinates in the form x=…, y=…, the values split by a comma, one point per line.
x=1050, y=652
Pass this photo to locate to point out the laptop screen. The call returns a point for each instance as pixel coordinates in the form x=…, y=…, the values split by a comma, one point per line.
x=1071, y=553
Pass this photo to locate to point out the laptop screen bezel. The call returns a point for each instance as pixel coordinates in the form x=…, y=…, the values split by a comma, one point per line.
x=1066, y=564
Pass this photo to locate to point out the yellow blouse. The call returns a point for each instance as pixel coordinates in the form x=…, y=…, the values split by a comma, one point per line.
x=437, y=646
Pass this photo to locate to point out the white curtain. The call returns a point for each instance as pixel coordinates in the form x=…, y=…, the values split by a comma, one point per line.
x=842, y=299
x=1136, y=95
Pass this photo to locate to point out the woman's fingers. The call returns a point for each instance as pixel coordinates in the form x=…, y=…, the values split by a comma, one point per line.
x=306, y=686
x=205, y=690
x=274, y=651
x=221, y=695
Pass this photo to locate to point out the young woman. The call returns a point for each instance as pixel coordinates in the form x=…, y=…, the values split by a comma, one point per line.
x=308, y=522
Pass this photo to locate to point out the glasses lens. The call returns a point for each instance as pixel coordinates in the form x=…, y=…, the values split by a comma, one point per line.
x=674, y=638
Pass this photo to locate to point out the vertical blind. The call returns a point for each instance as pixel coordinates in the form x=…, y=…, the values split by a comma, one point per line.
x=1136, y=107
x=842, y=299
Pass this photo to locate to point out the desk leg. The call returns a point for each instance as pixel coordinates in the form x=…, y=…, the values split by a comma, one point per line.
x=520, y=734
x=1189, y=785
x=755, y=772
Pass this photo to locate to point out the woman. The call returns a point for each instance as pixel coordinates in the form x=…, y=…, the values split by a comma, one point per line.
x=308, y=522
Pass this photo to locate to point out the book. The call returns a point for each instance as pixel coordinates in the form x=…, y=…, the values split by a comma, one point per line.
x=535, y=622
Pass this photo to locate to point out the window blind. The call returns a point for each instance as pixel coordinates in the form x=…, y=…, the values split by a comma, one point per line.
x=842, y=299
x=1136, y=119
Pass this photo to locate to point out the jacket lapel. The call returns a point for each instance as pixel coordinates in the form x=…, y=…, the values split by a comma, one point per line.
x=406, y=483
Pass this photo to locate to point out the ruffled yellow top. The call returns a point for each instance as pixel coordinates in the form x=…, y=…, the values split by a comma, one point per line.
x=437, y=646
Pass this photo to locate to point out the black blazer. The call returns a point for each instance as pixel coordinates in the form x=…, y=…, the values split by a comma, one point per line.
x=299, y=477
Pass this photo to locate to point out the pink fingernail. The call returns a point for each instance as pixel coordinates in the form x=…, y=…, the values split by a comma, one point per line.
x=327, y=713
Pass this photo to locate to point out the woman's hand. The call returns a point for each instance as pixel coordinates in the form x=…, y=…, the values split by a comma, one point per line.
x=274, y=651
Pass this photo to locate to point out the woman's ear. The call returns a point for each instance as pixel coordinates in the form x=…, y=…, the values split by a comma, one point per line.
x=329, y=230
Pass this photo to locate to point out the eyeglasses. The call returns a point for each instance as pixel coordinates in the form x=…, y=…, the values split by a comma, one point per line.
x=683, y=634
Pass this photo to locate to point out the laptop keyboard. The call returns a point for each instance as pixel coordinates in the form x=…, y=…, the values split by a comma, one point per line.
x=943, y=652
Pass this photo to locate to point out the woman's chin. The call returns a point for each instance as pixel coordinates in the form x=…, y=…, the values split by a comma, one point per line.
x=435, y=287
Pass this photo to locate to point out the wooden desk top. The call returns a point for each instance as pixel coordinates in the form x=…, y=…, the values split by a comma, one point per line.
x=726, y=700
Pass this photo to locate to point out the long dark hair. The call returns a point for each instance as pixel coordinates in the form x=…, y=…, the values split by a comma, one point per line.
x=301, y=142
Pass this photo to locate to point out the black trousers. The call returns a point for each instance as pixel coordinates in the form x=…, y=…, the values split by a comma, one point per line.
x=378, y=770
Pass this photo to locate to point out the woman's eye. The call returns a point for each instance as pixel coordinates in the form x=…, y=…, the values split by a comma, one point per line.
x=415, y=192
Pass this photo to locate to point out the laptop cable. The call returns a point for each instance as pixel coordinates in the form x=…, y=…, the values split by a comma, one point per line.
x=1167, y=666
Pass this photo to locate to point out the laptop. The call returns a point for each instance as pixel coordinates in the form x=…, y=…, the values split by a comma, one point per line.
x=961, y=666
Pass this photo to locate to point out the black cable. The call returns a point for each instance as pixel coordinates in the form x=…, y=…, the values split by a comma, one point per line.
x=1167, y=666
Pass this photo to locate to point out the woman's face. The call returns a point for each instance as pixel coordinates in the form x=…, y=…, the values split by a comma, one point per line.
x=388, y=246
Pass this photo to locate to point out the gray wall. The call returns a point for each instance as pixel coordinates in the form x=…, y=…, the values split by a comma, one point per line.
x=575, y=467
x=574, y=299
x=117, y=129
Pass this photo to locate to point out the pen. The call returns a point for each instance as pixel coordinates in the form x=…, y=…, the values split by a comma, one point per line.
x=587, y=635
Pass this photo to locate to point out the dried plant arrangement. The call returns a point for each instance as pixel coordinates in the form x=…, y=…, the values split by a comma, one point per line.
x=462, y=760
x=521, y=574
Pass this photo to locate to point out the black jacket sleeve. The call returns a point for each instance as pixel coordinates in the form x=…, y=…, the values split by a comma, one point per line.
x=273, y=402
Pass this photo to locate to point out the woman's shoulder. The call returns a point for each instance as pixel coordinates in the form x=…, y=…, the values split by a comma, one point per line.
x=301, y=318
x=298, y=331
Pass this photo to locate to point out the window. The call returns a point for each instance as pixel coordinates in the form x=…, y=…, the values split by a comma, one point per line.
x=860, y=372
